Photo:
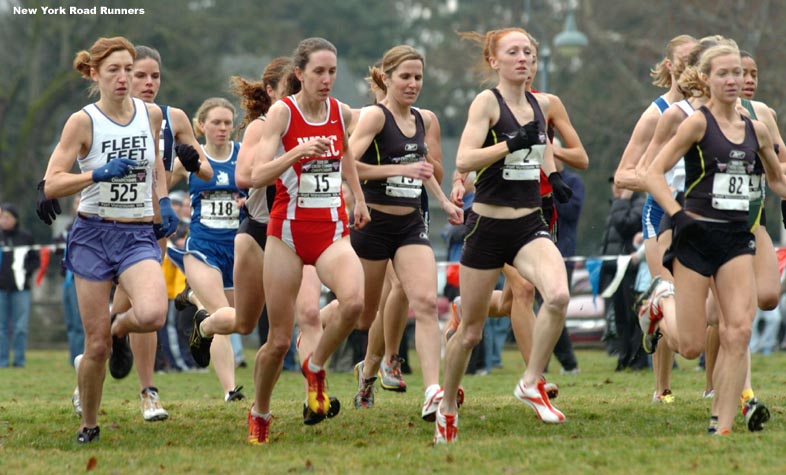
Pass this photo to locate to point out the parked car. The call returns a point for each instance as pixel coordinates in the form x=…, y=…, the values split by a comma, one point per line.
x=585, y=319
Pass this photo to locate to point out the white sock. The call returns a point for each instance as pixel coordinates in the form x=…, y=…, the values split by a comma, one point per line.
x=201, y=332
x=254, y=413
x=313, y=368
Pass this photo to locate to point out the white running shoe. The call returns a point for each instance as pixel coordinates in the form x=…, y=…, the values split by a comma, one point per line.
x=537, y=398
x=430, y=405
x=651, y=313
x=152, y=410
x=446, y=431
x=552, y=390
x=75, y=401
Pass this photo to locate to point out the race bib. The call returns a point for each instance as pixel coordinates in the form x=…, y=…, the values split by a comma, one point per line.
x=123, y=197
x=756, y=187
x=731, y=192
x=401, y=186
x=219, y=210
x=524, y=164
x=320, y=184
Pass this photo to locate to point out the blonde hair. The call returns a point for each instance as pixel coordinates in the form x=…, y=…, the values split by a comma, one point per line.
x=85, y=61
x=660, y=74
x=374, y=89
x=207, y=106
x=705, y=63
x=488, y=43
x=392, y=60
x=689, y=81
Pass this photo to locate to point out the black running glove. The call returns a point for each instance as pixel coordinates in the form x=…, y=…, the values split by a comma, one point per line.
x=188, y=156
x=562, y=191
x=527, y=136
x=47, y=209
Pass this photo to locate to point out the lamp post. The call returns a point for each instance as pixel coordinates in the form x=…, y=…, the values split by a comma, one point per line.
x=569, y=43
x=543, y=67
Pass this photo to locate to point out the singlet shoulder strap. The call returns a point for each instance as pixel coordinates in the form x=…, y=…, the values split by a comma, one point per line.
x=746, y=103
x=497, y=94
x=686, y=107
x=418, y=118
x=662, y=104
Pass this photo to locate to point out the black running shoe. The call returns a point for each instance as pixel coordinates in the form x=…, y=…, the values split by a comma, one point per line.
x=756, y=414
x=181, y=299
x=310, y=417
x=87, y=435
x=235, y=395
x=121, y=359
x=199, y=345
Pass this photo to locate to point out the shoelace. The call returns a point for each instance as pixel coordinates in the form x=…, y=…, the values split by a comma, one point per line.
x=367, y=391
x=259, y=428
x=234, y=394
x=316, y=382
x=395, y=366
x=449, y=430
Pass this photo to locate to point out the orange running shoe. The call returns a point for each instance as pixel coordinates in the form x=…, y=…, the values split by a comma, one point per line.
x=318, y=400
x=258, y=430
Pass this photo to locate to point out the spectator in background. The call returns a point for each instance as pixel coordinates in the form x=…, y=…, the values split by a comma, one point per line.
x=173, y=336
x=495, y=333
x=16, y=272
x=454, y=235
x=568, y=217
x=622, y=224
x=643, y=276
x=73, y=319
x=567, y=232
x=766, y=327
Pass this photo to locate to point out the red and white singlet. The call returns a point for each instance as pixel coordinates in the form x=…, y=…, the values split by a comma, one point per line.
x=310, y=190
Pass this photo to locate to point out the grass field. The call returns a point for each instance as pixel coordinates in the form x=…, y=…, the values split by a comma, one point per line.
x=612, y=427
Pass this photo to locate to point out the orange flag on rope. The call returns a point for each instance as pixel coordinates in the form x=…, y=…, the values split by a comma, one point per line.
x=44, y=254
x=780, y=253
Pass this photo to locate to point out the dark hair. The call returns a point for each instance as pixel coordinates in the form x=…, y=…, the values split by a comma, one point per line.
x=144, y=52
x=310, y=45
x=10, y=208
x=301, y=56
